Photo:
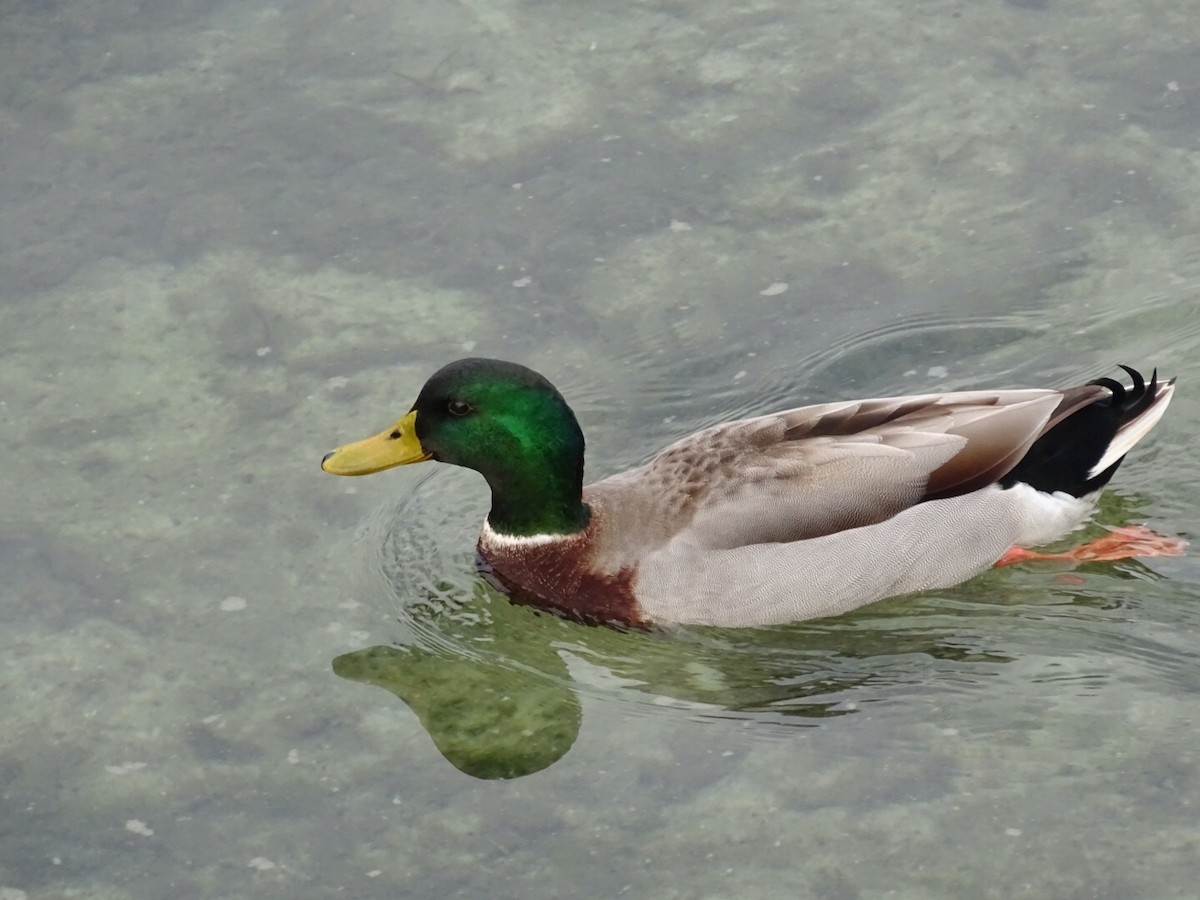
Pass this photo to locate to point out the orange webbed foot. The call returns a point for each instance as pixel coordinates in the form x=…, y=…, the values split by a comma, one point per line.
x=1123, y=542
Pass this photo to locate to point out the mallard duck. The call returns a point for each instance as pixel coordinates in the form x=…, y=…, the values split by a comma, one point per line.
x=801, y=514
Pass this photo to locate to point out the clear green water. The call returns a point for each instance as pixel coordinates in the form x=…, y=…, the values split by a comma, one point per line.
x=233, y=237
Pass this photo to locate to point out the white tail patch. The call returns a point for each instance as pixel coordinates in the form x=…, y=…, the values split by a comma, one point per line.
x=1134, y=430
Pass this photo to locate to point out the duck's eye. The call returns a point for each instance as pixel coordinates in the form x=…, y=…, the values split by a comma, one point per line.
x=458, y=407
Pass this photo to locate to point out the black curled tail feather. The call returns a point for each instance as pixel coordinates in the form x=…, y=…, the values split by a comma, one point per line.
x=1139, y=397
x=1063, y=459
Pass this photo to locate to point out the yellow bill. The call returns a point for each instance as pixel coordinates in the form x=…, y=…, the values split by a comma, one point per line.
x=397, y=446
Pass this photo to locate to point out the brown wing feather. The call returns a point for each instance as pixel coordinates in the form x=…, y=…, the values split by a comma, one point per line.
x=995, y=444
x=816, y=470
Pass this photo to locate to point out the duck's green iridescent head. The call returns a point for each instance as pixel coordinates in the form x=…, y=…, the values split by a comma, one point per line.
x=504, y=421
